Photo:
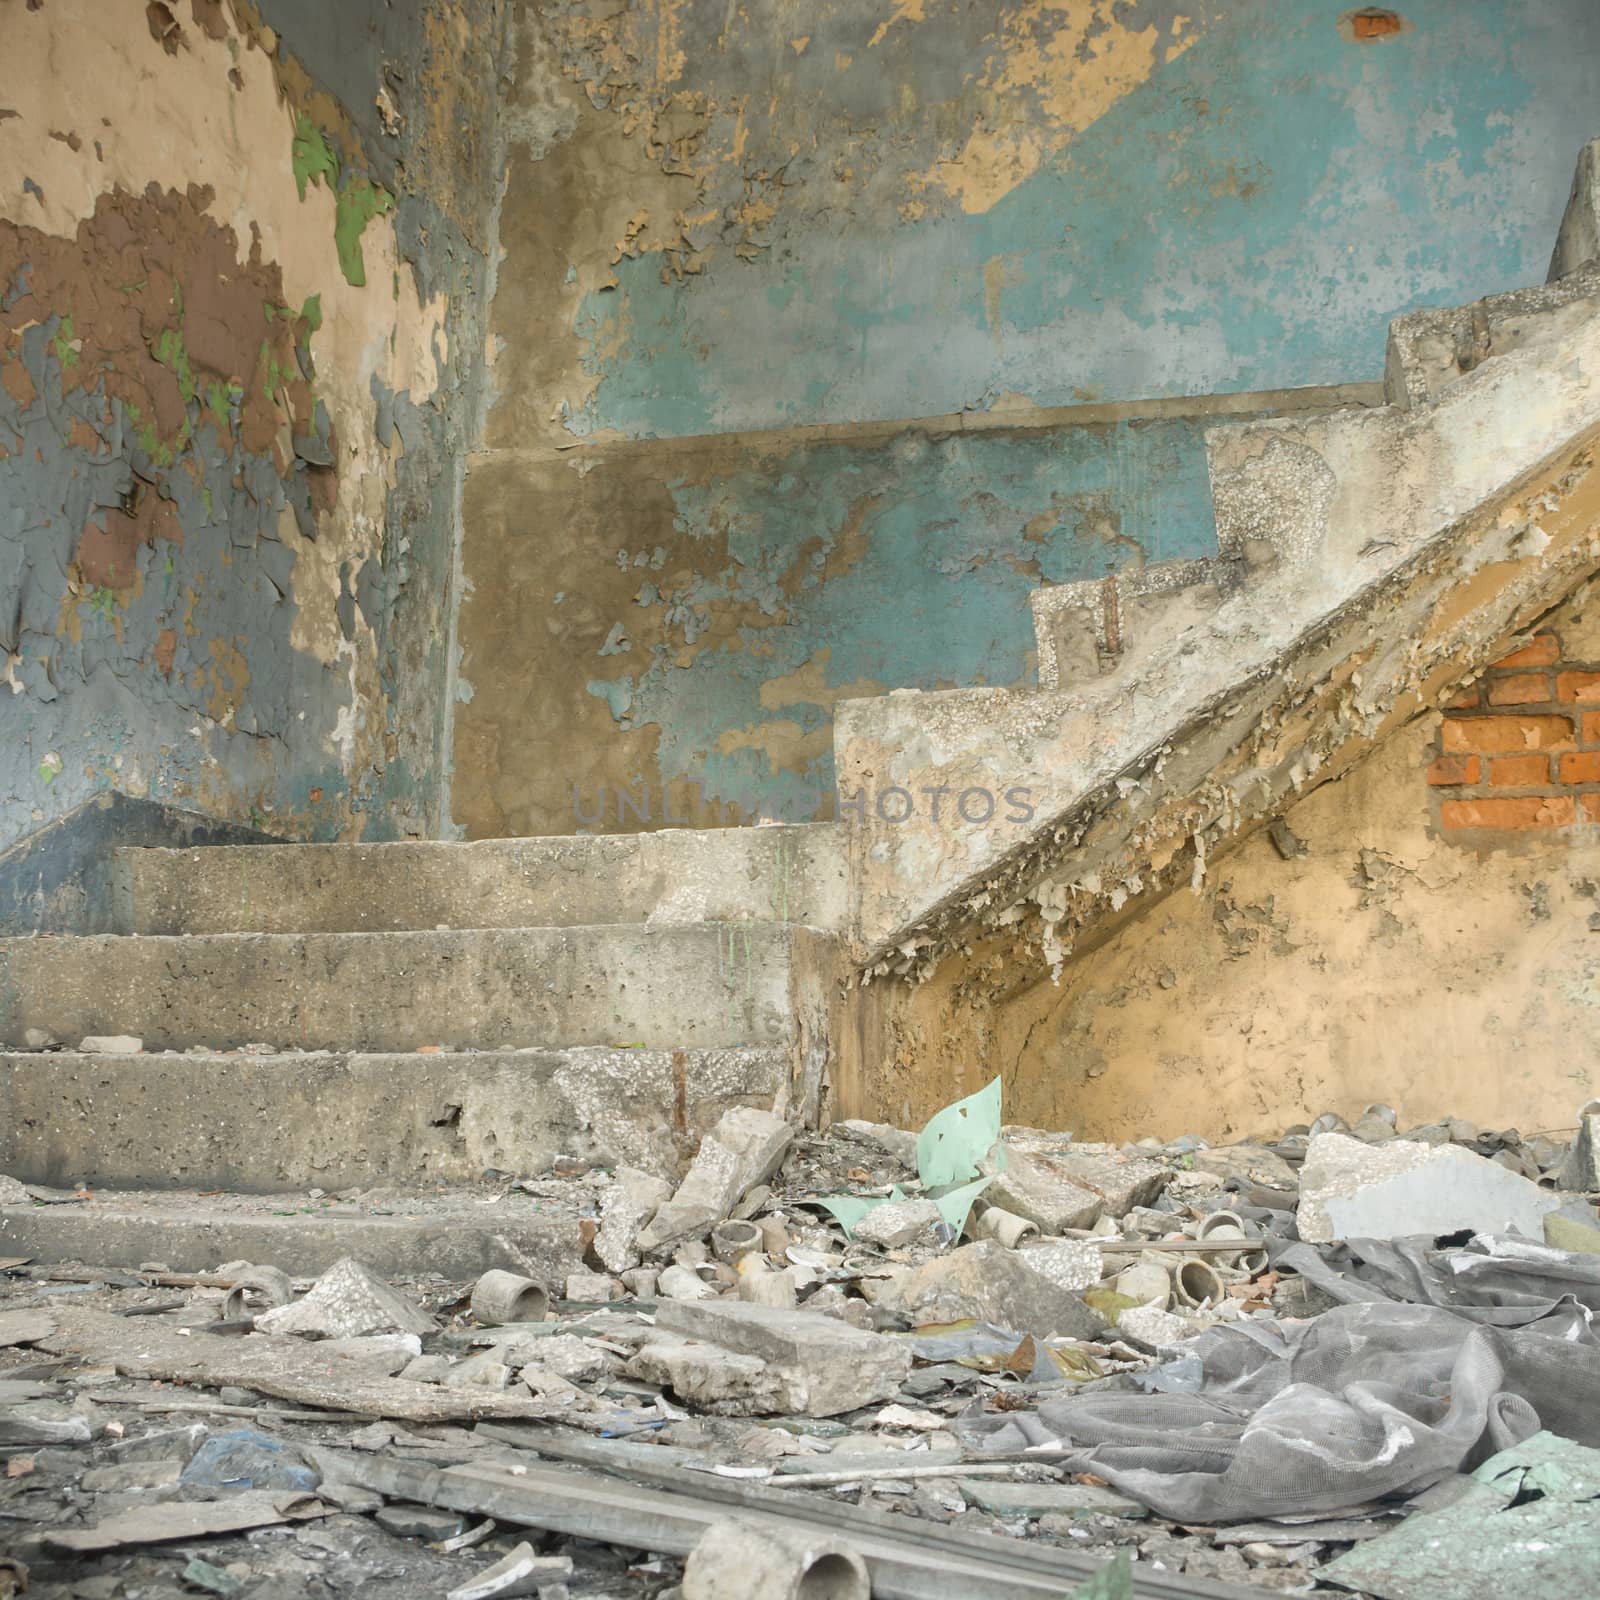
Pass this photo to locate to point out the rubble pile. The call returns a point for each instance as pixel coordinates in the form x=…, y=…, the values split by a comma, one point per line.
x=974, y=1359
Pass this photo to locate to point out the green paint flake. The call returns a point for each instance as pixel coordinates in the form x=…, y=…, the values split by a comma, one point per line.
x=359, y=202
x=170, y=352
x=65, y=334
x=51, y=768
x=218, y=398
x=312, y=311
x=311, y=156
x=104, y=601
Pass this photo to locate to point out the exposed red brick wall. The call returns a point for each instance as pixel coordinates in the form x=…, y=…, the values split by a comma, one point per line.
x=1519, y=749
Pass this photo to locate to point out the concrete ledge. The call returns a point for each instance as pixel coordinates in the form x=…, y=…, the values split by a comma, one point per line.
x=710, y=985
x=782, y=874
x=195, y=1233
x=262, y=1123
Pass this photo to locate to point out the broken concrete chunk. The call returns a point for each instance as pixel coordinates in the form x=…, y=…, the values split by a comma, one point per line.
x=111, y=1044
x=519, y=1572
x=577, y=1360
x=1252, y=1162
x=704, y=1374
x=482, y=1371
x=588, y=1286
x=168, y=1524
x=1352, y=1190
x=1033, y=1188
x=387, y=1353
x=759, y=1285
x=628, y=1205
x=898, y=1223
x=130, y=1475
x=347, y=1301
x=420, y=1522
x=161, y=1443
x=1154, y=1328
x=1122, y=1182
x=44, y=1423
x=1068, y=1263
x=802, y=1361
x=427, y=1369
x=683, y=1283
x=13, y=1192
x=1580, y=1172
x=988, y=1283
x=744, y=1149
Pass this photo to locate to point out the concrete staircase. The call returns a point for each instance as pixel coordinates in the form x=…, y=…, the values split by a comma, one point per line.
x=1367, y=561
x=339, y=1016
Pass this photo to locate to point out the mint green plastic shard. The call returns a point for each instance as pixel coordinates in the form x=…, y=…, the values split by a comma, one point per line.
x=949, y=1149
x=956, y=1139
x=848, y=1209
x=1114, y=1582
x=954, y=1204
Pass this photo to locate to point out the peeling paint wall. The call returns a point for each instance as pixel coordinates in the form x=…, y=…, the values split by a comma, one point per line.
x=239, y=333
x=1391, y=963
x=690, y=616
x=843, y=210
x=825, y=220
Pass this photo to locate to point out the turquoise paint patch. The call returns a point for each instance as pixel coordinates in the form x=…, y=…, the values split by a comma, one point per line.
x=1250, y=218
x=952, y=535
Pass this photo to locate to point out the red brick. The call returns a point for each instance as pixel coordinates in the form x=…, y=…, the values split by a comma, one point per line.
x=1454, y=769
x=1591, y=727
x=1591, y=807
x=1542, y=650
x=1520, y=772
x=1584, y=768
x=1520, y=689
x=1501, y=734
x=1578, y=685
x=1527, y=811
x=1467, y=700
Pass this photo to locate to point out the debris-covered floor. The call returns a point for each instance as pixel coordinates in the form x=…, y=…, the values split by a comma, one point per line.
x=983, y=1362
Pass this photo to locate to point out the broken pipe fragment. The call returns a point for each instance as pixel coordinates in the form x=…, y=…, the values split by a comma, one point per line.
x=737, y=1560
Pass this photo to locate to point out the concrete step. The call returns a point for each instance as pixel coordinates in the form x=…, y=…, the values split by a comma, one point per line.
x=776, y=874
x=398, y=1235
x=700, y=987
x=260, y=1123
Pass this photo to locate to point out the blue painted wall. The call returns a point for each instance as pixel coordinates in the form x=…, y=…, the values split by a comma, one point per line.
x=1250, y=216
x=831, y=212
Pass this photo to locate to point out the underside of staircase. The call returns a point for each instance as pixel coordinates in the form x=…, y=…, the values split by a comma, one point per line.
x=342, y=1016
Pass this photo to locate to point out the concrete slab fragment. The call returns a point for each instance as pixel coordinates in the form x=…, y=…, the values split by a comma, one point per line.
x=814, y=1364
x=1351, y=1190
x=989, y=1283
x=745, y=1148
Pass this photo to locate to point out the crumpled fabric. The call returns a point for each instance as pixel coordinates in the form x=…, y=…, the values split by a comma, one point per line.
x=1378, y=1397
